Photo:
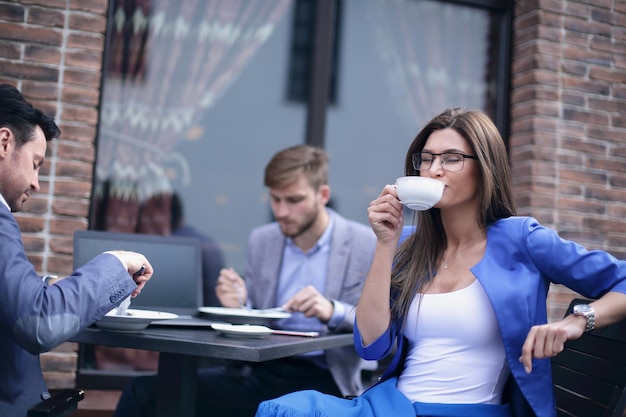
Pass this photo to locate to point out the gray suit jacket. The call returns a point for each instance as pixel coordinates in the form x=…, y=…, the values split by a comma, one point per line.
x=352, y=249
x=35, y=317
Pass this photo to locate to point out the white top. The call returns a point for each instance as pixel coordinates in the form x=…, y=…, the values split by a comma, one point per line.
x=456, y=354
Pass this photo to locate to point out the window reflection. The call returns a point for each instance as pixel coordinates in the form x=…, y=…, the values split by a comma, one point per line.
x=196, y=98
x=168, y=64
x=402, y=63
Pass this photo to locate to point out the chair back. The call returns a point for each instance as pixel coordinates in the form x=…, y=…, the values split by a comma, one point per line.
x=589, y=376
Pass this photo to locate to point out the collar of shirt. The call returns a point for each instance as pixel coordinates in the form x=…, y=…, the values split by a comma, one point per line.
x=323, y=241
x=3, y=201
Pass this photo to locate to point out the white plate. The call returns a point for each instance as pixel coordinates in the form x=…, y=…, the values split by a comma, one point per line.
x=244, y=315
x=133, y=320
x=242, y=330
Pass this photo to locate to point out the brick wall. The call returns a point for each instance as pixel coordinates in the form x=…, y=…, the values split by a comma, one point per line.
x=567, y=147
x=568, y=121
x=52, y=51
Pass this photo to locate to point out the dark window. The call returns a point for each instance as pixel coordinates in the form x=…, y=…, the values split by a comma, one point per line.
x=301, y=51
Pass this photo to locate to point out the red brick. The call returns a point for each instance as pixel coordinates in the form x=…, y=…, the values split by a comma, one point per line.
x=617, y=181
x=86, y=41
x=33, y=243
x=37, y=204
x=64, y=244
x=87, y=22
x=46, y=17
x=82, y=77
x=30, y=71
x=12, y=12
x=605, y=225
x=78, y=133
x=67, y=226
x=53, y=4
x=78, y=114
x=79, y=189
x=42, y=54
x=31, y=34
x=586, y=26
x=74, y=169
x=82, y=152
x=619, y=121
x=29, y=224
x=598, y=148
x=61, y=264
x=67, y=207
x=607, y=74
x=93, y=6
x=84, y=60
x=81, y=95
x=589, y=116
x=582, y=176
x=40, y=91
x=586, y=55
x=9, y=50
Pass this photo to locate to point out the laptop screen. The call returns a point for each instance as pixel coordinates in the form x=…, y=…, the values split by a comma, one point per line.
x=176, y=285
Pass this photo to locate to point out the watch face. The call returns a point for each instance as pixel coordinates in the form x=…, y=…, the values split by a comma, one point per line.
x=582, y=309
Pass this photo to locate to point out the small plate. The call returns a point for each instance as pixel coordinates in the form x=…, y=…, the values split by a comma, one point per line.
x=242, y=330
x=245, y=315
x=133, y=320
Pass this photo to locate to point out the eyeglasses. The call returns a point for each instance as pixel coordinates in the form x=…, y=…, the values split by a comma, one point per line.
x=450, y=161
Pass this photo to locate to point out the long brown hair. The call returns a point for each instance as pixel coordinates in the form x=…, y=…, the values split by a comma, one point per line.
x=418, y=256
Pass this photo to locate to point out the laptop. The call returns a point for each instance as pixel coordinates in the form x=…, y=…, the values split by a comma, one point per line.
x=176, y=285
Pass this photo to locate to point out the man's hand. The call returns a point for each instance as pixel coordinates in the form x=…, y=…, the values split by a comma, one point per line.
x=134, y=262
x=231, y=289
x=310, y=302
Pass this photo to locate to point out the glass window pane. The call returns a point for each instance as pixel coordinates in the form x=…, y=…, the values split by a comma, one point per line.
x=401, y=63
x=194, y=102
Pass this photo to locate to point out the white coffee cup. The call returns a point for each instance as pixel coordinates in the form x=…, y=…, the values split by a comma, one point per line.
x=419, y=193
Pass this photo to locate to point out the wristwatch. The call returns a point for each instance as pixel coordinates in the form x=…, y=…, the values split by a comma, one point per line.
x=588, y=313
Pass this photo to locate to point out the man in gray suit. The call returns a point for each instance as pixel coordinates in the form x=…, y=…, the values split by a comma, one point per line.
x=36, y=316
x=312, y=262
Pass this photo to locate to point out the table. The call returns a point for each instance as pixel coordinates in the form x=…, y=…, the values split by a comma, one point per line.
x=180, y=349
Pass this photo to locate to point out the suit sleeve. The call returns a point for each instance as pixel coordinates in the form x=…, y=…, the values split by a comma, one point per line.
x=39, y=316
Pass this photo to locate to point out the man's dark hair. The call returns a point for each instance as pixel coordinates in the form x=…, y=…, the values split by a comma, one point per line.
x=22, y=118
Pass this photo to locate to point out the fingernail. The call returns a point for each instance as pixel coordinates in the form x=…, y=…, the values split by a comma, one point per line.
x=527, y=369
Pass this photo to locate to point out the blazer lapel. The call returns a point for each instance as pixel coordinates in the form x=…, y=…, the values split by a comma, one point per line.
x=270, y=269
x=338, y=259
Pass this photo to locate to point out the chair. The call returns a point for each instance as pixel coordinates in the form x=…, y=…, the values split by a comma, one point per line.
x=61, y=404
x=589, y=376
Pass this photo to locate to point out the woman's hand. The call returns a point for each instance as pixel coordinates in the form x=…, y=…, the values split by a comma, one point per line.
x=386, y=215
x=548, y=340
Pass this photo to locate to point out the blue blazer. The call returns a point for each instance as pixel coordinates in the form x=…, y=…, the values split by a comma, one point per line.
x=521, y=259
x=35, y=318
x=352, y=247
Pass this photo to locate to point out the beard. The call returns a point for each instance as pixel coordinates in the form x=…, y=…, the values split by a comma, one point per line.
x=303, y=228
